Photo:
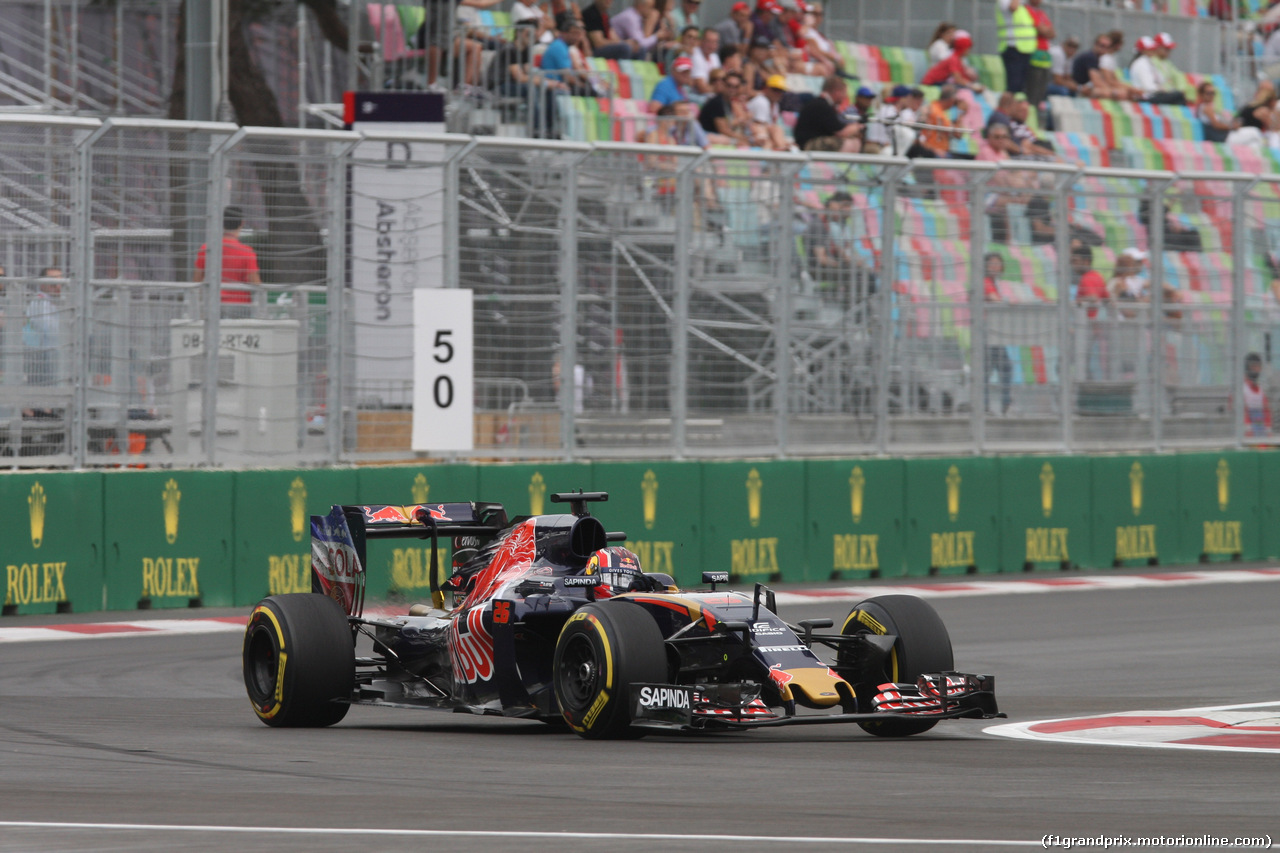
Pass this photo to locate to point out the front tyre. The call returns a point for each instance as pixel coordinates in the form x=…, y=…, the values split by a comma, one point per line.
x=603, y=649
x=922, y=645
x=299, y=661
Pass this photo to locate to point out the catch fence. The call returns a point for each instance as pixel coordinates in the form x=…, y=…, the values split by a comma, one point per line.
x=631, y=301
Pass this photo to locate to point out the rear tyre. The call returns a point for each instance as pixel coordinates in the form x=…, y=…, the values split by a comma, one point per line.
x=299, y=661
x=603, y=650
x=922, y=645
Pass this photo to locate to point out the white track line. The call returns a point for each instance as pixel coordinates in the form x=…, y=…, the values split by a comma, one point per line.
x=486, y=833
x=1109, y=737
x=114, y=630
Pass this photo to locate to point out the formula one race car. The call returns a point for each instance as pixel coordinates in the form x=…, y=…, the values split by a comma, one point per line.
x=549, y=621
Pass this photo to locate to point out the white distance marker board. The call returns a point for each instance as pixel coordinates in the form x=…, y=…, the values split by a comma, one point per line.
x=443, y=370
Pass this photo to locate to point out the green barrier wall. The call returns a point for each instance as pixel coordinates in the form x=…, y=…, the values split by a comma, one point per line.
x=402, y=567
x=952, y=509
x=51, y=542
x=273, y=528
x=1268, y=464
x=1044, y=513
x=1135, y=510
x=168, y=538
x=659, y=506
x=1218, y=495
x=753, y=513
x=855, y=513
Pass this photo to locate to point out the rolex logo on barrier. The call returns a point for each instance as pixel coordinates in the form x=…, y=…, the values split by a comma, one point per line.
x=857, y=482
x=754, y=485
x=298, y=508
x=36, y=502
x=171, y=498
x=1135, y=487
x=421, y=489
x=649, y=490
x=1224, y=484
x=1046, y=489
x=537, y=492
x=953, y=493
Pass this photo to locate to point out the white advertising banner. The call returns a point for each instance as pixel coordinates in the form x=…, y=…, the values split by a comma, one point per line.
x=443, y=370
x=397, y=238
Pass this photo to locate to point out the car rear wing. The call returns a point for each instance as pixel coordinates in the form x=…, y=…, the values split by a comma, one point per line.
x=338, y=541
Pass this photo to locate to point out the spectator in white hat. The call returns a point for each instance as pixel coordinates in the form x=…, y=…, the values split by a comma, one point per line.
x=1148, y=76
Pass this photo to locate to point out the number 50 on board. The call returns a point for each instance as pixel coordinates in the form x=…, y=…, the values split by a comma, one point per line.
x=443, y=370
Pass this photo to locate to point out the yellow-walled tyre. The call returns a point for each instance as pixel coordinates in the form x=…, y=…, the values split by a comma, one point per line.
x=299, y=661
x=603, y=649
x=922, y=645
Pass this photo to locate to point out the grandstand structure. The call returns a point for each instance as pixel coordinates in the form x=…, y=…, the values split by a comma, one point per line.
x=678, y=281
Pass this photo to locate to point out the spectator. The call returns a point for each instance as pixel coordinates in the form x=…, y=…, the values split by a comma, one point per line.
x=1257, y=112
x=1271, y=54
x=736, y=30
x=541, y=15
x=706, y=58
x=939, y=115
x=997, y=355
x=765, y=110
x=862, y=111
x=1004, y=186
x=834, y=265
x=1215, y=124
x=764, y=23
x=639, y=27
x=1039, y=72
x=820, y=49
x=1091, y=293
x=954, y=69
x=557, y=59
x=676, y=86
x=1128, y=285
x=42, y=331
x=1168, y=71
x=1001, y=144
x=878, y=131
x=511, y=74
x=724, y=115
x=680, y=126
x=239, y=265
x=1060, y=56
x=689, y=37
x=1109, y=65
x=1091, y=79
x=1177, y=237
x=821, y=125
x=1257, y=411
x=1149, y=78
x=760, y=64
x=686, y=15
x=1016, y=29
x=1029, y=144
x=940, y=45
x=602, y=37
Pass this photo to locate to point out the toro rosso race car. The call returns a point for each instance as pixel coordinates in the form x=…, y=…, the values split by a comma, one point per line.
x=549, y=621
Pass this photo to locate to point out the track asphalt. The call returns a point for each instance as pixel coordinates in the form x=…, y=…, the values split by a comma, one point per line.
x=146, y=742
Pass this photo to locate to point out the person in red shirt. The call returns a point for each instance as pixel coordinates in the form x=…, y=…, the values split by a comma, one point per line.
x=954, y=69
x=1091, y=291
x=239, y=263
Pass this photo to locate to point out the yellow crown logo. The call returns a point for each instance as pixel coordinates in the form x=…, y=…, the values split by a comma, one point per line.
x=649, y=489
x=36, y=502
x=953, y=493
x=537, y=491
x=1224, y=484
x=1135, y=487
x=1046, y=489
x=298, y=508
x=171, y=497
x=857, y=482
x=421, y=489
x=754, y=484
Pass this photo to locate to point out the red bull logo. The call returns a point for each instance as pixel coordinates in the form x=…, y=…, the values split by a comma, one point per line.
x=384, y=514
x=471, y=647
x=779, y=675
x=436, y=512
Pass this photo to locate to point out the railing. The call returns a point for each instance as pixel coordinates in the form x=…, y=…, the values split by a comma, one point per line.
x=710, y=303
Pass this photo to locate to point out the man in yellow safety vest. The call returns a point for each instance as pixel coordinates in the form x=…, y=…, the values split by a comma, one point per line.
x=1016, y=29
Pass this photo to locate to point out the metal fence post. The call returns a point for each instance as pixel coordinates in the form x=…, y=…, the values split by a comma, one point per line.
x=685, y=188
x=785, y=235
x=1155, y=246
x=335, y=299
x=888, y=271
x=81, y=273
x=213, y=292
x=1066, y=346
x=978, y=313
x=1239, y=254
x=569, y=308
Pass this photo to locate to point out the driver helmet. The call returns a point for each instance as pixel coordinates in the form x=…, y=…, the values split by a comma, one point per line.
x=619, y=570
